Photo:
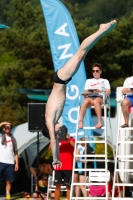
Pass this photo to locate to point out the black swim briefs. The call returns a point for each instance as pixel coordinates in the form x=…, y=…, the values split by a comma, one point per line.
x=56, y=79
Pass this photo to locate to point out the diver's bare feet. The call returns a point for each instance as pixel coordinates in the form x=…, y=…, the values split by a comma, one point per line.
x=99, y=125
x=80, y=124
x=108, y=27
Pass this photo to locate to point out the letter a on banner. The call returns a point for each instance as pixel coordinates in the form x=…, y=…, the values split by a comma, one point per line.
x=64, y=43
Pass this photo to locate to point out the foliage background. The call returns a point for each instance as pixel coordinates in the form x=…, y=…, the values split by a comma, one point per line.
x=25, y=58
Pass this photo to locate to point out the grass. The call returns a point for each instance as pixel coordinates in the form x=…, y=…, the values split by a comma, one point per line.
x=19, y=196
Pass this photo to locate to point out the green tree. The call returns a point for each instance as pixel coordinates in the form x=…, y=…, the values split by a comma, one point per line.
x=25, y=60
x=100, y=149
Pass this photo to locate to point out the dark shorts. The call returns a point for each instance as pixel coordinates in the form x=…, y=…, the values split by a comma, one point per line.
x=63, y=176
x=56, y=79
x=83, y=173
x=43, y=189
x=80, y=172
x=7, y=172
x=94, y=97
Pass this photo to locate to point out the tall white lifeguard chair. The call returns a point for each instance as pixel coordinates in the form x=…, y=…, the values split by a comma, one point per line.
x=124, y=152
x=90, y=139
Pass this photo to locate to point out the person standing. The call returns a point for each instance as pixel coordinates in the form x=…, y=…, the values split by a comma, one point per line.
x=8, y=157
x=66, y=157
x=56, y=101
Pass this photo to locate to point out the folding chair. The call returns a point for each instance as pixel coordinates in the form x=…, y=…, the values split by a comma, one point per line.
x=98, y=182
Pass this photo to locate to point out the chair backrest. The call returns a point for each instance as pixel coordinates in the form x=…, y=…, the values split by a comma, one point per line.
x=99, y=176
x=119, y=95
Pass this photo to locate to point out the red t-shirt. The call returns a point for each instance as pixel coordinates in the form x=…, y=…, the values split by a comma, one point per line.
x=66, y=155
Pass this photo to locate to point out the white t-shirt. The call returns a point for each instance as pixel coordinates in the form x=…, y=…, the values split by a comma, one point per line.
x=128, y=83
x=81, y=150
x=6, y=151
x=93, y=83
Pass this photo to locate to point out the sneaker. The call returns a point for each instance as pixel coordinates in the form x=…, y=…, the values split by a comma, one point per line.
x=8, y=196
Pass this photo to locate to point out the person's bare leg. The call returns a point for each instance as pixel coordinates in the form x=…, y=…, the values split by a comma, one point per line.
x=97, y=105
x=76, y=187
x=126, y=104
x=88, y=102
x=71, y=67
x=8, y=186
x=68, y=192
x=57, y=192
x=82, y=187
x=33, y=172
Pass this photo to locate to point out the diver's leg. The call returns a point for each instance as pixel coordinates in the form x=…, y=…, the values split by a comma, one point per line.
x=71, y=67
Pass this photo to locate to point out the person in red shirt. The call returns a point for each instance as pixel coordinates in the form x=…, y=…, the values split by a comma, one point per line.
x=64, y=172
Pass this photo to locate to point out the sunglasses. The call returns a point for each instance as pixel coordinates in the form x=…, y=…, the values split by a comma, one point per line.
x=95, y=71
x=7, y=127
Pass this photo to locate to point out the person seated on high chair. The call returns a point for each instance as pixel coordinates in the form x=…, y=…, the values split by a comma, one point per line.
x=128, y=99
x=92, y=87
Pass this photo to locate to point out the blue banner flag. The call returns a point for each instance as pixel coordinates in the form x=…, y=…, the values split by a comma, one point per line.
x=64, y=43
